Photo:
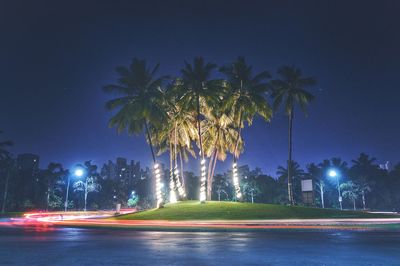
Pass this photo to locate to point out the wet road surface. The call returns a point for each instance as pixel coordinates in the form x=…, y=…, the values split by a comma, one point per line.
x=71, y=246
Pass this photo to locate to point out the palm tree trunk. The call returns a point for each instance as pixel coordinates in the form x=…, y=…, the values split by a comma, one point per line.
x=170, y=158
x=199, y=127
x=236, y=185
x=181, y=164
x=321, y=188
x=210, y=164
x=213, y=169
x=171, y=168
x=354, y=204
x=290, y=188
x=363, y=199
x=154, y=161
x=237, y=139
x=239, y=130
x=203, y=192
x=86, y=193
x=149, y=139
x=3, y=207
x=172, y=196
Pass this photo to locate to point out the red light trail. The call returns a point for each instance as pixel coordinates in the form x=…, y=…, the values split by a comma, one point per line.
x=46, y=221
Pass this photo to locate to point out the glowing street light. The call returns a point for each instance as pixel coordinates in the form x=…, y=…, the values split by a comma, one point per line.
x=334, y=173
x=78, y=173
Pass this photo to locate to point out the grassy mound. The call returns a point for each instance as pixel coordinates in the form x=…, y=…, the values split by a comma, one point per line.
x=213, y=210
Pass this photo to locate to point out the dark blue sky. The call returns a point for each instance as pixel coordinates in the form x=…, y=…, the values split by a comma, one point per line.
x=55, y=57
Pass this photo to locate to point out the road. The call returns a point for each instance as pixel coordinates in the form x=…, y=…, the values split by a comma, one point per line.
x=40, y=245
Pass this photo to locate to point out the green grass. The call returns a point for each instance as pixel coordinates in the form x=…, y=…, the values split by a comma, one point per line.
x=212, y=210
x=11, y=214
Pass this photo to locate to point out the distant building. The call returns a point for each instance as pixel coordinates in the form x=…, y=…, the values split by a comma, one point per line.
x=121, y=170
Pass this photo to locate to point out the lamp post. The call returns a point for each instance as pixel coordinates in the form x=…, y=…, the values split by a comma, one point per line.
x=333, y=173
x=78, y=172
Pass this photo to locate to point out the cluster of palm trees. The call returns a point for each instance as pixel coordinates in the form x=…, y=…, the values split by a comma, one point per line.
x=198, y=115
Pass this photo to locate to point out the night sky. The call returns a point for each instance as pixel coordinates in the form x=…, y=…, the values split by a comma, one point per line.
x=55, y=56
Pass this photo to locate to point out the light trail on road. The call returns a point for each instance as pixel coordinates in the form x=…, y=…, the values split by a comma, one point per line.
x=105, y=220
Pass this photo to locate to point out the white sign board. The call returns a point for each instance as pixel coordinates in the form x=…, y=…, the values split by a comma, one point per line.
x=306, y=185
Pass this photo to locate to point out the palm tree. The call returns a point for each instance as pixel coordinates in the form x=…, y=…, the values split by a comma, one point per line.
x=289, y=90
x=245, y=96
x=364, y=170
x=296, y=173
x=219, y=138
x=364, y=188
x=138, y=105
x=176, y=135
x=197, y=89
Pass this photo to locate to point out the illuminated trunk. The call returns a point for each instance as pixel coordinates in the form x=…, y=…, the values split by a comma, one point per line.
x=156, y=169
x=363, y=199
x=237, y=139
x=181, y=190
x=172, y=195
x=235, y=174
x=86, y=193
x=203, y=178
x=210, y=164
x=321, y=188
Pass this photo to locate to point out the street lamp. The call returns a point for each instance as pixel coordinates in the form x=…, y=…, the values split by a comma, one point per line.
x=334, y=173
x=78, y=173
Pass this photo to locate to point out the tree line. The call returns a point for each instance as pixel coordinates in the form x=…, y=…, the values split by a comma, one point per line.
x=364, y=185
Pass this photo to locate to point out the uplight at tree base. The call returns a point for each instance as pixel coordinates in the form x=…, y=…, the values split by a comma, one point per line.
x=236, y=181
x=158, y=184
x=203, y=181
